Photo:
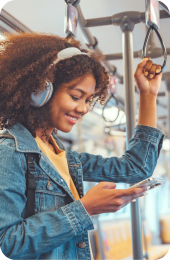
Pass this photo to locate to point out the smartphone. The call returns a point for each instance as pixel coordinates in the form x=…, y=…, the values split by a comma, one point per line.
x=152, y=15
x=150, y=182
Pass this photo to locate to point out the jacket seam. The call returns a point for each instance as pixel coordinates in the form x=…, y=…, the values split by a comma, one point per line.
x=21, y=162
x=10, y=145
x=146, y=137
x=41, y=176
x=146, y=156
x=84, y=214
x=72, y=217
x=52, y=193
x=76, y=247
x=150, y=127
x=65, y=210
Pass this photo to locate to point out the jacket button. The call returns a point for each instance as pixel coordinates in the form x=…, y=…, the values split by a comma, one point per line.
x=49, y=187
x=82, y=245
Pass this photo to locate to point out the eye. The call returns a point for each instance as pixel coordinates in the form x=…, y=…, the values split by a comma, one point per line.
x=75, y=98
x=89, y=101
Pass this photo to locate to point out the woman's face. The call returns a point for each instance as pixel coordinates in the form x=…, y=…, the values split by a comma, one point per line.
x=71, y=102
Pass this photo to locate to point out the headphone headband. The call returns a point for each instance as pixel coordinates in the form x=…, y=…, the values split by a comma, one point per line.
x=68, y=53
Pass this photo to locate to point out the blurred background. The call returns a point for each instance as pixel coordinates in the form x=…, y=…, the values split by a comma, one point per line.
x=103, y=131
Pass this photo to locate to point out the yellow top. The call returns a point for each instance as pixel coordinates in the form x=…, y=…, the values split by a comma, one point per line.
x=59, y=161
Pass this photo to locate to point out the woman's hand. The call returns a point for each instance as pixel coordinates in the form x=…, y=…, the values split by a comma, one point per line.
x=146, y=80
x=104, y=198
x=148, y=84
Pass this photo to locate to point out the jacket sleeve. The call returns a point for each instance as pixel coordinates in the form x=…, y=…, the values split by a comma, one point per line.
x=25, y=238
x=137, y=163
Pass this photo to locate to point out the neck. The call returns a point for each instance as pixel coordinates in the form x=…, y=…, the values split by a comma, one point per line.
x=44, y=134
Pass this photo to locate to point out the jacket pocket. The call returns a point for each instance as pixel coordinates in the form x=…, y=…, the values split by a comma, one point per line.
x=49, y=196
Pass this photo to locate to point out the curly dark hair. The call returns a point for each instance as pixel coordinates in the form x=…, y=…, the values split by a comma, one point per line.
x=24, y=59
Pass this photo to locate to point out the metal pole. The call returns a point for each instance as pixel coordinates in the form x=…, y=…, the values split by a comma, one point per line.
x=102, y=257
x=166, y=78
x=99, y=230
x=168, y=94
x=116, y=19
x=127, y=45
x=167, y=81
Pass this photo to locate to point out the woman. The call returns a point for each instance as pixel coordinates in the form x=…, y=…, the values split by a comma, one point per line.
x=49, y=83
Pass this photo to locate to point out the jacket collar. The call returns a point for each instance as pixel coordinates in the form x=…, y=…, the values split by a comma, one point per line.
x=24, y=140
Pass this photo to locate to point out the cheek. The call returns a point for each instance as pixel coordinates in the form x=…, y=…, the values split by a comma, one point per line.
x=61, y=104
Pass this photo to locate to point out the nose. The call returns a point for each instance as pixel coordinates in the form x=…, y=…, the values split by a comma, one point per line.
x=83, y=108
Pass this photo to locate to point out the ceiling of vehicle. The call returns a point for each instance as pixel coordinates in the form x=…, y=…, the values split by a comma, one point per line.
x=47, y=16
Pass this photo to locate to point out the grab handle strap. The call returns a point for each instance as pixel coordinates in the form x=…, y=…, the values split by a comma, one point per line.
x=151, y=28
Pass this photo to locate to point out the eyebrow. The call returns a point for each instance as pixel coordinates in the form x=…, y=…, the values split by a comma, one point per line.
x=81, y=91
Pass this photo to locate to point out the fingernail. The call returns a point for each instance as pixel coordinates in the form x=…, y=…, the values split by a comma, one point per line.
x=157, y=71
x=148, y=188
x=145, y=58
x=151, y=76
x=146, y=73
x=133, y=200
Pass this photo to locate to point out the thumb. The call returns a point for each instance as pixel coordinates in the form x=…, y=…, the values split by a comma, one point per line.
x=109, y=185
x=143, y=63
x=140, y=67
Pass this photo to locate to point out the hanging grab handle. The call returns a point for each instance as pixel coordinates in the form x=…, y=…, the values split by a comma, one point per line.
x=151, y=28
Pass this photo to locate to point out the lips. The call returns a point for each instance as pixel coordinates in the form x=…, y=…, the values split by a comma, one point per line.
x=72, y=119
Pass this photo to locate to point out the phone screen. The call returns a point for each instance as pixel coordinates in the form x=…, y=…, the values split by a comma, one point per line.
x=71, y=18
x=151, y=182
x=152, y=15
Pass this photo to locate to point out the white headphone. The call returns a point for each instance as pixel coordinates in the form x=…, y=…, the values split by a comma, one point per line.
x=42, y=96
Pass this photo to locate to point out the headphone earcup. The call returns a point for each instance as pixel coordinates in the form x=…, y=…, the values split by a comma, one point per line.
x=42, y=96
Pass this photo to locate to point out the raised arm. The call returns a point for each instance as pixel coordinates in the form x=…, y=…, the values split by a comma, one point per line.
x=148, y=84
x=138, y=162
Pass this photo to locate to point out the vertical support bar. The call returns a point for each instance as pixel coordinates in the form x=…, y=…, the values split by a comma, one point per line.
x=127, y=42
x=168, y=93
x=102, y=257
x=127, y=45
x=99, y=230
x=168, y=117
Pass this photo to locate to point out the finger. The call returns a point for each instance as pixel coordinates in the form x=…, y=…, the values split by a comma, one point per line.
x=130, y=191
x=140, y=67
x=133, y=197
x=123, y=201
x=134, y=200
x=152, y=71
x=148, y=66
x=147, y=57
x=108, y=185
x=158, y=68
x=125, y=204
x=158, y=77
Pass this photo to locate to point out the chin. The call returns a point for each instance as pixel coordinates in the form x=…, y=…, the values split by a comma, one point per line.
x=65, y=130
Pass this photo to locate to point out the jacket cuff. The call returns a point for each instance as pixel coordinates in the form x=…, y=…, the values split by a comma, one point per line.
x=149, y=133
x=78, y=217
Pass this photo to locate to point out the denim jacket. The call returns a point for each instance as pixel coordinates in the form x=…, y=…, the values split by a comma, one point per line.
x=60, y=224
